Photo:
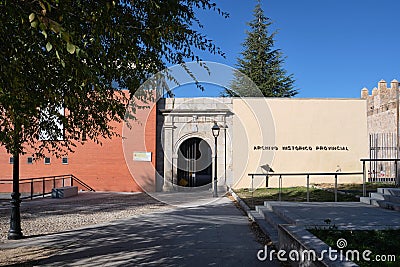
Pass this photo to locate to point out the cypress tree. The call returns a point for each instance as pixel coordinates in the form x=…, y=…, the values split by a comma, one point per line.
x=262, y=63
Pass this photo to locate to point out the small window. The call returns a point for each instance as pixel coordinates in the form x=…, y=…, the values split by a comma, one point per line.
x=65, y=160
x=30, y=160
x=46, y=160
x=11, y=160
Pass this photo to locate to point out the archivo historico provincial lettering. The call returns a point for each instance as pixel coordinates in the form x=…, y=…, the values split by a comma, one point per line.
x=303, y=148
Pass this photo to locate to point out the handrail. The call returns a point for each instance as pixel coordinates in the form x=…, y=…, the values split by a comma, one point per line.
x=39, y=178
x=307, y=174
x=68, y=177
x=379, y=160
x=85, y=185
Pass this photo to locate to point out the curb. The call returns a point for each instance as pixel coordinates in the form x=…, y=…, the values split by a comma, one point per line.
x=254, y=216
x=289, y=230
x=241, y=202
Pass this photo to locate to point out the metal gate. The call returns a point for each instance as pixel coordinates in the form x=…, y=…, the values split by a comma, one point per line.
x=382, y=146
x=194, y=163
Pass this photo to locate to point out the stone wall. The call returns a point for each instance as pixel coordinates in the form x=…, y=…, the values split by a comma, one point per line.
x=180, y=119
x=381, y=107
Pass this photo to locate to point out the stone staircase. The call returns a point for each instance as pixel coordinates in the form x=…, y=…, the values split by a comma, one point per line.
x=269, y=218
x=387, y=198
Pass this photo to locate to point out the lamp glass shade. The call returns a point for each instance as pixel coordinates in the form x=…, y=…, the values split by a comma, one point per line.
x=215, y=129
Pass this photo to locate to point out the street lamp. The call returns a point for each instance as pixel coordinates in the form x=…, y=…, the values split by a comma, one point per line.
x=215, y=131
x=15, y=221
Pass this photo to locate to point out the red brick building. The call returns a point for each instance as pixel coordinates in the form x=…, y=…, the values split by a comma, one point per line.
x=101, y=167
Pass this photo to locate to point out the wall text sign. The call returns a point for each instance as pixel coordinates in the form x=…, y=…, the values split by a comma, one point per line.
x=142, y=156
x=303, y=148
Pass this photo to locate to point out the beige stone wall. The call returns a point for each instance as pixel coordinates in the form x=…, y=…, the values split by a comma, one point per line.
x=381, y=107
x=184, y=118
x=298, y=135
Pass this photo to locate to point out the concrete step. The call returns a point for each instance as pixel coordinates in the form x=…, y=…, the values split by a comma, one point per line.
x=271, y=217
x=375, y=202
x=366, y=200
x=278, y=211
x=390, y=198
x=267, y=204
x=267, y=228
x=389, y=191
x=388, y=205
x=378, y=196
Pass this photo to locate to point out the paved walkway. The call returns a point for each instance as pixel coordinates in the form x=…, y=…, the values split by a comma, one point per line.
x=346, y=215
x=216, y=234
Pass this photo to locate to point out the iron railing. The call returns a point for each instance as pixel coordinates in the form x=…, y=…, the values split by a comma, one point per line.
x=281, y=175
x=42, y=186
x=382, y=146
x=396, y=174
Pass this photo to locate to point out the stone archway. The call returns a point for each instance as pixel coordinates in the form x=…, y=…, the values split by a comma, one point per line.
x=194, y=166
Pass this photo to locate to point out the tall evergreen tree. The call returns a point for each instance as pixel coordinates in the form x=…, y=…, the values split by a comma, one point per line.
x=262, y=63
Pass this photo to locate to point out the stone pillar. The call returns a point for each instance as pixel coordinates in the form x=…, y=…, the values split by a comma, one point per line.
x=221, y=142
x=375, y=91
x=384, y=95
x=382, y=86
x=364, y=93
x=394, y=85
x=168, y=153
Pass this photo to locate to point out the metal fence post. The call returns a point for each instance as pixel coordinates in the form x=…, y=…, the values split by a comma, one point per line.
x=252, y=190
x=308, y=188
x=396, y=180
x=44, y=187
x=280, y=187
x=364, y=180
x=335, y=187
x=396, y=171
x=31, y=189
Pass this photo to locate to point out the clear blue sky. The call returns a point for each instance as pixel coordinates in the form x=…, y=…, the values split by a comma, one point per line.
x=334, y=48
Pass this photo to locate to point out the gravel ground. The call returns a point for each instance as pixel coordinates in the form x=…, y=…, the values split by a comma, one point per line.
x=45, y=216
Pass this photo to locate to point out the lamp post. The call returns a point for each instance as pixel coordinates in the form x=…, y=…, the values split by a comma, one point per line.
x=215, y=131
x=15, y=220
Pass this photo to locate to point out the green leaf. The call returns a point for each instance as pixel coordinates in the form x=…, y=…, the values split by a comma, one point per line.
x=44, y=34
x=34, y=24
x=71, y=48
x=24, y=117
x=66, y=37
x=49, y=47
x=77, y=50
x=32, y=17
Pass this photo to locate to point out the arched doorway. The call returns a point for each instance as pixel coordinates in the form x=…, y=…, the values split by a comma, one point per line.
x=194, y=163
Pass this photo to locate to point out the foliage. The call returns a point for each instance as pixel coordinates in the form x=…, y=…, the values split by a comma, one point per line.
x=379, y=242
x=262, y=63
x=297, y=194
x=77, y=55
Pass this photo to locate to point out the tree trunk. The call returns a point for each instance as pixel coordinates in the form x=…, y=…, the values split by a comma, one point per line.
x=15, y=222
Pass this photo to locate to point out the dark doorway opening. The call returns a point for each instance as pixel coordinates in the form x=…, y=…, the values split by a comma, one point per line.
x=194, y=163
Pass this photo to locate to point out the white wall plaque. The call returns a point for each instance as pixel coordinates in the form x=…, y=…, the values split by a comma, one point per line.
x=142, y=156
